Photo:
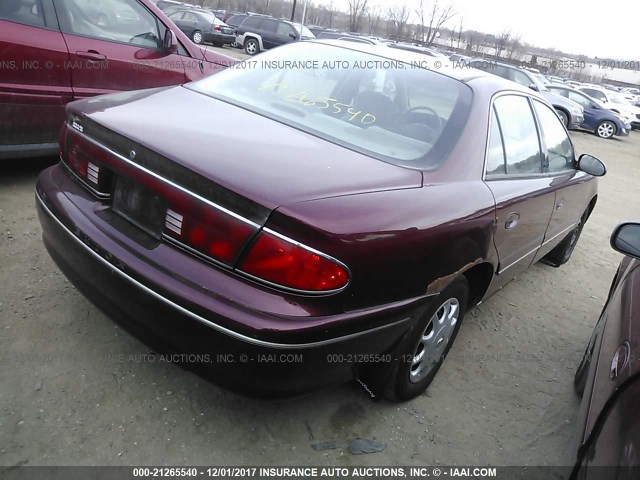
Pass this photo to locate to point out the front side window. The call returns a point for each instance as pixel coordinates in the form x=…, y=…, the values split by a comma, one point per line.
x=284, y=29
x=28, y=12
x=521, y=143
x=521, y=78
x=377, y=106
x=559, y=149
x=124, y=21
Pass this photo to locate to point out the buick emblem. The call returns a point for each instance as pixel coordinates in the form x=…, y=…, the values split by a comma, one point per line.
x=620, y=361
x=132, y=154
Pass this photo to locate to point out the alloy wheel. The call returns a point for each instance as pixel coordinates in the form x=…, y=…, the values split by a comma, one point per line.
x=435, y=339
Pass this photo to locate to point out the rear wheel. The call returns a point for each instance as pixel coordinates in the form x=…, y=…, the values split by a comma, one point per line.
x=197, y=37
x=426, y=347
x=605, y=129
x=564, y=118
x=251, y=46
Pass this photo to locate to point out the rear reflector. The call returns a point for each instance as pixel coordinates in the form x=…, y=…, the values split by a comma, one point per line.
x=290, y=265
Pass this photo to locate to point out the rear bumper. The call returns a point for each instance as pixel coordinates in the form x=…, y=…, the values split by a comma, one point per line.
x=161, y=312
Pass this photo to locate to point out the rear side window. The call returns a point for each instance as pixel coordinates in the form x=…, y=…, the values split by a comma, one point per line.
x=520, y=136
x=495, y=156
x=28, y=12
x=270, y=25
x=251, y=22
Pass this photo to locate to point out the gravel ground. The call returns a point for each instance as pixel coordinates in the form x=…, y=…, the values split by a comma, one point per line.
x=503, y=397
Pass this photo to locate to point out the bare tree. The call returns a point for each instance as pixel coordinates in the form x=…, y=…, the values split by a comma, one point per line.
x=420, y=11
x=501, y=41
x=373, y=17
x=357, y=9
x=398, y=16
x=437, y=16
x=514, y=48
x=329, y=11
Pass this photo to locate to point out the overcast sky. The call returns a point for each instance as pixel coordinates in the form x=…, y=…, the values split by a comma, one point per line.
x=603, y=29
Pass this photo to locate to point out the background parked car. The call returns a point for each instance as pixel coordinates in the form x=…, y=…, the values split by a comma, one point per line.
x=87, y=57
x=608, y=377
x=257, y=33
x=569, y=112
x=203, y=27
x=597, y=117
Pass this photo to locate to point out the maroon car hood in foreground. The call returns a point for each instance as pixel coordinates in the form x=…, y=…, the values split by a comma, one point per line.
x=240, y=150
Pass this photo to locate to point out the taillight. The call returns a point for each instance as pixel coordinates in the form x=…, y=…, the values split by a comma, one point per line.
x=206, y=229
x=216, y=28
x=82, y=158
x=287, y=264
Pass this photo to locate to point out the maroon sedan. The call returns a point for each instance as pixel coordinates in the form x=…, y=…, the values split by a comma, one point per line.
x=328, y=210
x=56, y=51
x=608, y=378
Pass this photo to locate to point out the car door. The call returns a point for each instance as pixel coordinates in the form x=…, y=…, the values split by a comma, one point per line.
x=116, y=56
x=572, y=188
x=524, y=195
x=268, y=31
x=35, y=84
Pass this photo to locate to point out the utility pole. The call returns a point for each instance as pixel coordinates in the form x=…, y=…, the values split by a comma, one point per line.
x=293, y=10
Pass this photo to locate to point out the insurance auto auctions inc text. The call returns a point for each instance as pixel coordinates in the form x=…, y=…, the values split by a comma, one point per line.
x=374, y=472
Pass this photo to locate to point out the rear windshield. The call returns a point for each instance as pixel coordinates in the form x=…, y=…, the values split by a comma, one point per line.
x=390, y=110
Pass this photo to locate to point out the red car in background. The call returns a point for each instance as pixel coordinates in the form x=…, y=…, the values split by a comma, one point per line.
x=56, y=51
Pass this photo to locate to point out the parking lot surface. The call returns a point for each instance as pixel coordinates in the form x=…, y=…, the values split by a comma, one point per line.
x=75, y=389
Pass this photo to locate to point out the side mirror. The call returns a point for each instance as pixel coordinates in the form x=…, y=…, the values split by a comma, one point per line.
x=593, y=105
x=170, y=42
x=534, y=87
x=626, y=239
x=293, y=35
x=591, y=165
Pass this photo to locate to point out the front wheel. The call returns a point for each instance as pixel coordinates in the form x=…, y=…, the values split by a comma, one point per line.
x=605, y=129
x=197, y=37
x=251, y=46
x=426, y=347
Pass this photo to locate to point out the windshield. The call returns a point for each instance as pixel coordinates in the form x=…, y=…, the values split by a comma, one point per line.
x=370, y=104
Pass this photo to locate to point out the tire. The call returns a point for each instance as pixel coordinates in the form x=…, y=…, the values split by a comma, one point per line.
x=562, y=252
x=605, y=129
x=197, y=37
x=564, y=118
x=234, y=45
x=251, y=46
x=427, y=345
